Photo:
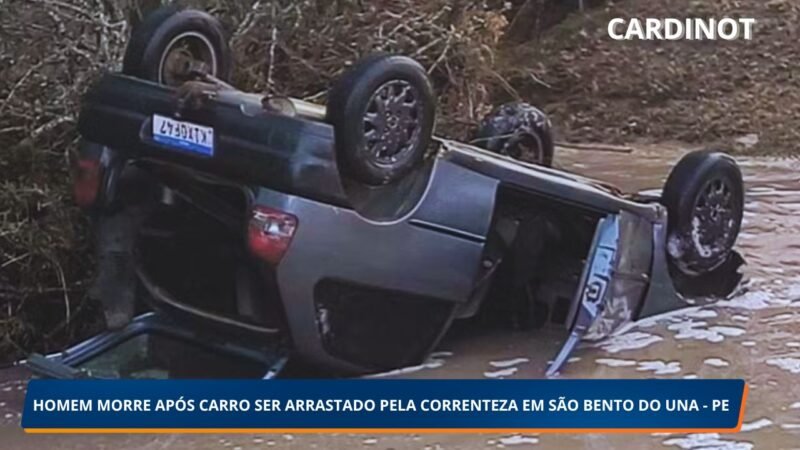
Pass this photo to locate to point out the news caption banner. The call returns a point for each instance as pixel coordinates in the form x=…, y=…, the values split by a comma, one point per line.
x=152, y=406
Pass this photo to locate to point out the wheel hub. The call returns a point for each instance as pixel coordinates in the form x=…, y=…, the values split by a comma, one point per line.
x=186, y=55
x=391, y=125
x=177, y=64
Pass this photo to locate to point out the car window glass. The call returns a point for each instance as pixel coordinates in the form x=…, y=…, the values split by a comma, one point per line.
x=162, y=357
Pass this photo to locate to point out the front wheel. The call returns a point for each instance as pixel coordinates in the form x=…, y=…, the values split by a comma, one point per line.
x=704, y=197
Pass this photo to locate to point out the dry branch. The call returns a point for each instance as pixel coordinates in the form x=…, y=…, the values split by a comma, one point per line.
x=595, y=147
x=51, y=50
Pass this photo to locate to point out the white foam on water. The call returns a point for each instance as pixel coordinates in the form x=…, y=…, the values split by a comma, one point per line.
x=795, y=405
x=659, y=367
x=519, y=440
x=690, y=376
x=793, y=290
x=757, y=424
x=740, y=318
x=702, y=314
x=793, y=344
x=431, y=363
x=669, y=315
x=728, y=331
x=629, y=341
x=370, y=441
x=696, y=330
x=752, y=301
x=501, y=373
x=508, y=362
x=611, y=362
x=780, y=318
x=716, y=362
x=708, y=441
x=791, y=426
x=748, y=343
x=786, y=363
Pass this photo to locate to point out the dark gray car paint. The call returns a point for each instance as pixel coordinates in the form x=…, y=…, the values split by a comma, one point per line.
x=425, y=252
x=436, y=249
x=661, y=294
x=252, y=146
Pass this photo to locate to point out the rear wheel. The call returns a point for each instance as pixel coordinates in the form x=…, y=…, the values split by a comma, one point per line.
x=704, y=197
x=518, y=130
x=382, y=110
x=171, y=46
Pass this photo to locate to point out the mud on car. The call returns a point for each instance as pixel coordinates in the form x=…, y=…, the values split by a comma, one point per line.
x=264, y=228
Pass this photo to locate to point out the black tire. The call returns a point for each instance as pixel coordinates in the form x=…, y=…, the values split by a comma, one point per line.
x=704, y=197
x=163, y=30
x=518, y=130
x=380, y=146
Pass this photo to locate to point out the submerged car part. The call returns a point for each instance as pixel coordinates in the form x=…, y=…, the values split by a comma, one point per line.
x=154, y=346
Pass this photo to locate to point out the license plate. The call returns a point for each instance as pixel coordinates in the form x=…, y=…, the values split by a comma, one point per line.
x=183, y=135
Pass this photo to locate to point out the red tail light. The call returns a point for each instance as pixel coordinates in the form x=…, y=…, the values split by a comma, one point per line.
x=270, y=232
x=88, y=178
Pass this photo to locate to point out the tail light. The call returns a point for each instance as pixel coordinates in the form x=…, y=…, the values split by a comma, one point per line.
x=87, y=183
x=269, y=233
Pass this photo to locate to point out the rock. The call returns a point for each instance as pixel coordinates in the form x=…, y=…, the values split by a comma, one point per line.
x=748, y=140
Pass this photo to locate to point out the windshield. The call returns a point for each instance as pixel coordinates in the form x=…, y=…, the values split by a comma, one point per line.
x=157, y=356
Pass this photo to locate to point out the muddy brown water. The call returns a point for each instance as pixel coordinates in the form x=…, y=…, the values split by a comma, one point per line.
x=755, y=335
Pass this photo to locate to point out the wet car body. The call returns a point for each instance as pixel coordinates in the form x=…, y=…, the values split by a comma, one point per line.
x=625, y=265
x=366, y=278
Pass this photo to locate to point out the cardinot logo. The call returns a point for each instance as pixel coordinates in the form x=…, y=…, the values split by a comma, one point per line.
x=669, y=29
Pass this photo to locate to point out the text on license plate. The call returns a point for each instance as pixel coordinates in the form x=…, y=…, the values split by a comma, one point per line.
x=183, y=135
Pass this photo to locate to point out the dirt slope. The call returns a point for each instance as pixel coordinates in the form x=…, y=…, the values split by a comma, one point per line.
x=599, y=89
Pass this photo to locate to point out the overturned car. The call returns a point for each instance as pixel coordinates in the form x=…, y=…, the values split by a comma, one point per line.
x=347, y=236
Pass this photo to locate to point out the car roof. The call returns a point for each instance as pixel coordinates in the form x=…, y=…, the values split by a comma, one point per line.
x=550, y=182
